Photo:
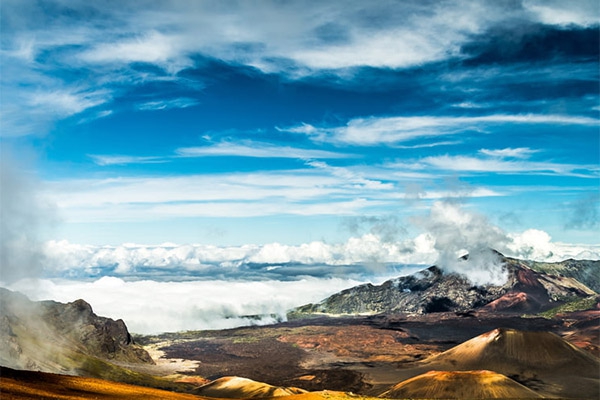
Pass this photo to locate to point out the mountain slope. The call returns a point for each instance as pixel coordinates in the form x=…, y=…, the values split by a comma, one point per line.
x=23, y=385
x=16, y=384
x=233, y=387
x=433, y=290
x=70, y=339
x=540, y=360
x=585, y=271
x=460, y=385
x=510, y=349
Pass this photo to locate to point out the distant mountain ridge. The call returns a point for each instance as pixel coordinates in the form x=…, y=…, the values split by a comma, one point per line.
x=585, y=271
x=526, y=290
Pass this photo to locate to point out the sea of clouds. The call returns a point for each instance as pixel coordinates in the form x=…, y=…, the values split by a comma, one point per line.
x=149, y=306
x=172, y=287
x=359, y=257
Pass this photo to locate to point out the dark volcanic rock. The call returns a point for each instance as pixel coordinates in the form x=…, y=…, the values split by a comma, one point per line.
x=101, y=336
x=433, y=290
x=429, y=290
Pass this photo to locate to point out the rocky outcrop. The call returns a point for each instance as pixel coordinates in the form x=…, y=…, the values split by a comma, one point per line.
x=56, y=337
x=100, y=336
x=434, y=290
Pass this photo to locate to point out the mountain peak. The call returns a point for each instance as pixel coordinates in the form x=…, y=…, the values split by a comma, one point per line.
x=511, y=346
x=435, y=290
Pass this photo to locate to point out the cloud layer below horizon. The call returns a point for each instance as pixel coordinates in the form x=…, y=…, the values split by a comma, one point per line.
x=170, y=287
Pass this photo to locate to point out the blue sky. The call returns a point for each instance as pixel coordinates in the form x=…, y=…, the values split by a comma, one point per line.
x=230, y=123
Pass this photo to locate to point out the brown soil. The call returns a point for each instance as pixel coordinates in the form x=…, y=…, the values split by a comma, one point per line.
x=365, y=355
x=260, y=358
x=582, y=328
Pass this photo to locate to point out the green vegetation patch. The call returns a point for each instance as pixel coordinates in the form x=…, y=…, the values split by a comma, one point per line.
x=97, y=368
x=575, y=305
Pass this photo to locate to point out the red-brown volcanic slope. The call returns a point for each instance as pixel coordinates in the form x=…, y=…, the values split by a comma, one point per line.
x=460, y=385
x=583, y=330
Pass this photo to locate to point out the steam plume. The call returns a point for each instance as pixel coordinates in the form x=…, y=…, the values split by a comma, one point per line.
x=455, y=232
x=23, y=215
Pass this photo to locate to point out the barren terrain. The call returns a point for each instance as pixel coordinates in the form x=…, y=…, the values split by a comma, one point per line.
x=365, y=355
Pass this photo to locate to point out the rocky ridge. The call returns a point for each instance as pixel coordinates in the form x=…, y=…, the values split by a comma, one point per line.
x=55, y=337
x=434, y=290
x=585, y=271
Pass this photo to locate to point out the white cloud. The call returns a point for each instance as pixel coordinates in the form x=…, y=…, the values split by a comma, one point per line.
x=448, y=194
x=153, y=307
x=319, y=190
x=181, y=102
x=151, y=47
x=519, y=152
x=349, y=175
x=481, y=165
x=534, y=244
x=391, y=130
x=280, y=37
x=429, y=145
x=33, y=106
x=240, y=149
x=32, y=102
x=450, y=231
x=217, y=187
x=256, y=149
x=456, y=232
x=64, y=258
x=65, y=102
x=151, y=301
x=293, y=38
x=557, y=12
x=23, y=49
x=104, y=160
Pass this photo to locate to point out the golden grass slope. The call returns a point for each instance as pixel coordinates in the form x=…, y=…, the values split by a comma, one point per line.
x=20, y=385
x=16, y=384
x=460, y=385
x=234, y=387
